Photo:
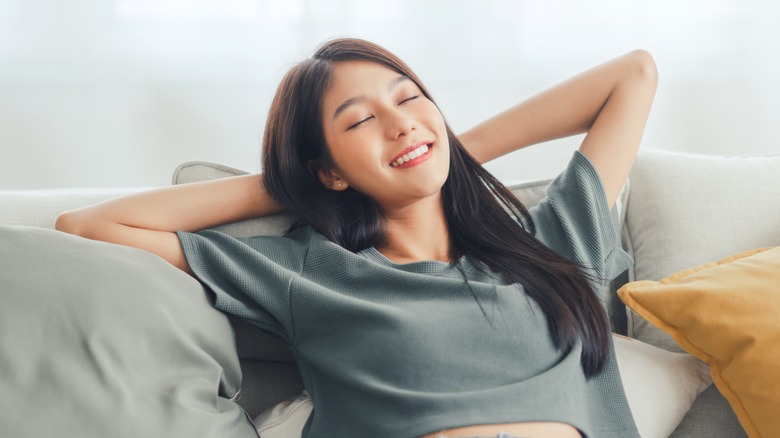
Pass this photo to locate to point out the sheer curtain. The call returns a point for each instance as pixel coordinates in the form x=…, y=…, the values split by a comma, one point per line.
x=99, y=93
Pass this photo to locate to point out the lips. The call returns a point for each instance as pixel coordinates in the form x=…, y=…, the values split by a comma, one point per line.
x=412, y=155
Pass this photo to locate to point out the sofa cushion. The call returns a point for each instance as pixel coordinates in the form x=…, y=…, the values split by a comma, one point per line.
x=687, y=210
x=725, y=313
x=103, y=340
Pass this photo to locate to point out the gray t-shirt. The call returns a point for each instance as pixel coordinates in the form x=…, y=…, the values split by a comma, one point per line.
x=403, y=350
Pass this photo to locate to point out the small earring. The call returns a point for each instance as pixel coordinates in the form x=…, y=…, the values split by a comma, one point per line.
x=339, y=184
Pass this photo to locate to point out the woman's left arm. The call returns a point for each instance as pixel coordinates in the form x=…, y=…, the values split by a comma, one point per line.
x=610, y=102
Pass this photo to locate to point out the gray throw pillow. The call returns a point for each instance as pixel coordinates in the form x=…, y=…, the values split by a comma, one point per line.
x=102, y=340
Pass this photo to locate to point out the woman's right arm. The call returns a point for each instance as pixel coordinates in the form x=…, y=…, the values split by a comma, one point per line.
x=148, y=220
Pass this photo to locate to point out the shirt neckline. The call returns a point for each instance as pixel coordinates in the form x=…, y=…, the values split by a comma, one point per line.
x=422, y=266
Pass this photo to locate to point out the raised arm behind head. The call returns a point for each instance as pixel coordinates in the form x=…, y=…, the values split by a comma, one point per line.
x=148, y=220
x=610, y=102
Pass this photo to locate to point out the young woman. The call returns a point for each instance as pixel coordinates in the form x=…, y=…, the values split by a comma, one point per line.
x=418, y=295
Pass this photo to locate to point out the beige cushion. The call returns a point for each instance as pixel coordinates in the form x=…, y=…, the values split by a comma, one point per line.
x=687, y=210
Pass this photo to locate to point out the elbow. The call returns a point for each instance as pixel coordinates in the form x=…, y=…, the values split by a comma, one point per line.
x=67, y=223
x=73, y=222
x=643, y=66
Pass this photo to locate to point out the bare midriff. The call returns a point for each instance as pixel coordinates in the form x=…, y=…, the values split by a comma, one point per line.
x=530, y=430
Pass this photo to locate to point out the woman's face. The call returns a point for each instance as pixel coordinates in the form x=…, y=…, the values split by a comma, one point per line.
x=386, y=139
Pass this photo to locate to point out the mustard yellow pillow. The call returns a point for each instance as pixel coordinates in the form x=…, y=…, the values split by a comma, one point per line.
x=728, y=315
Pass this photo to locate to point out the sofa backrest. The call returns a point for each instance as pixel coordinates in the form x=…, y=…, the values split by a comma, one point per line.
x=40, y=208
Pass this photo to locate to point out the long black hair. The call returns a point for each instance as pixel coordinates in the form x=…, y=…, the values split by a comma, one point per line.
x=486, y=221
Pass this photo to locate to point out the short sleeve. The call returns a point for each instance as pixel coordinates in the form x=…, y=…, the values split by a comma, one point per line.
x=575, y=221
x=249, y=277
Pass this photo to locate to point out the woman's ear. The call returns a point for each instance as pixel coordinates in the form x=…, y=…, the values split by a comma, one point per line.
x=328, y=179
x=332, y=181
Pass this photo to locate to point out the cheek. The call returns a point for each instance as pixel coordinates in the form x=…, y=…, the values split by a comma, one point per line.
x=355, y=154
x=433, y=115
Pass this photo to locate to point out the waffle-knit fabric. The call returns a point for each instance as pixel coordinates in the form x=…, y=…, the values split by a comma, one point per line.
x=403, y=350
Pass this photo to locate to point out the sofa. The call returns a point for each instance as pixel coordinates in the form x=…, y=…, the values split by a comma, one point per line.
x=677, y=211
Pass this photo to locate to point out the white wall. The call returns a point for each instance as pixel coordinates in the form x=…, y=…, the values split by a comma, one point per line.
x=102, y=93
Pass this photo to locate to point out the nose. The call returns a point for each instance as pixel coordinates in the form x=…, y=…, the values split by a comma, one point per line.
x=399, y=124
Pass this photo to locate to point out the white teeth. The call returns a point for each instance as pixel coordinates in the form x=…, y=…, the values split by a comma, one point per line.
x=410, y=156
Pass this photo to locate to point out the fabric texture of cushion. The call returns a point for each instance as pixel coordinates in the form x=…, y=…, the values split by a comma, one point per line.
x=686, y=210
x=725, y=313
x=103, y=340
x=660, y=387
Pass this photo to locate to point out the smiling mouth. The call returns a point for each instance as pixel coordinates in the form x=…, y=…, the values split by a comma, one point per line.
x=415, y=156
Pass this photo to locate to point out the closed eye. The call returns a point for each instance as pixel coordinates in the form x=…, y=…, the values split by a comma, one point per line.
x=359, y=123
x=353, y=126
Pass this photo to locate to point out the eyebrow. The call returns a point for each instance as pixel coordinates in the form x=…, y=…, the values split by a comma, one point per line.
x=357, y=99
